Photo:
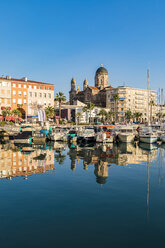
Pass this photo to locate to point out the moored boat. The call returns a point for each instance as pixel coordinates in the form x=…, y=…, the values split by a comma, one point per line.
x=126, y=134
x=146, y=135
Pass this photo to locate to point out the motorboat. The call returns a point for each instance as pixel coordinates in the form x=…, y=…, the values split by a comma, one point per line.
x=25, y=135
x=146, y=135
x=88, y=135
x=58, y=134
x=105, y=134
x=126, y=134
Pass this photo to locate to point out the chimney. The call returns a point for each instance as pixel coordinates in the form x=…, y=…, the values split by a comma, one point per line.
x=24, y=78
x=8, y=77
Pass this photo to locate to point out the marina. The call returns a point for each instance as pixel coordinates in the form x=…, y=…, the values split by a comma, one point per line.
x=51, y=189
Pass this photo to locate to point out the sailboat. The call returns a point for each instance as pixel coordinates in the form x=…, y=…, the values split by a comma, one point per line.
x=146, y=134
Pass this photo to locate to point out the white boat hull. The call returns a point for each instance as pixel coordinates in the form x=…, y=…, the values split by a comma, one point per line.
x=126, y=138
x=102, y=138
x=148, y=139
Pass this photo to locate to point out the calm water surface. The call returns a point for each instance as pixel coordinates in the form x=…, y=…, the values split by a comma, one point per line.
x=95, y=196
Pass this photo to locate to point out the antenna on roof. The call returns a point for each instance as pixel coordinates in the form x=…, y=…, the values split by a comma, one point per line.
x=101, y=65
x=2, y=75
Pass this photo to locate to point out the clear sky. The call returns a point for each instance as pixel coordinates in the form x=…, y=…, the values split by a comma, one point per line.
x=53, y=40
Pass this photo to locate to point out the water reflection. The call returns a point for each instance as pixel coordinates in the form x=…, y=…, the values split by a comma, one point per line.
x=103, y=156
x=15, y=161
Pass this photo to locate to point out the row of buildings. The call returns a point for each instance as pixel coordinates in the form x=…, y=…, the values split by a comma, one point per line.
x=103, y=96
x=25, y=95
x=28, y=96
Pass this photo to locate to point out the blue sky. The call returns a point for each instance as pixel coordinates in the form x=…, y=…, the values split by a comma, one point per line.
x=52, y=41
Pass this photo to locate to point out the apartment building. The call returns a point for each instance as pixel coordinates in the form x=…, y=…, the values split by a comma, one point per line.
x=135, y=100
x=5, y=93
x=25, y=95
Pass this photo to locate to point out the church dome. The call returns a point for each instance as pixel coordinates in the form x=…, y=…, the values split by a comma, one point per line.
x=102, y=70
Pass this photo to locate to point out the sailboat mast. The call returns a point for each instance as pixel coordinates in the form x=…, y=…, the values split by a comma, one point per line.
x=148, y=95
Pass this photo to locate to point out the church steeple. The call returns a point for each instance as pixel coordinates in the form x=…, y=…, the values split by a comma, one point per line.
x=85, y=84
x=73, y=84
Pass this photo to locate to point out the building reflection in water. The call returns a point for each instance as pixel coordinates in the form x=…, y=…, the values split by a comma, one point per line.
x=14, y=162
x=103, y=156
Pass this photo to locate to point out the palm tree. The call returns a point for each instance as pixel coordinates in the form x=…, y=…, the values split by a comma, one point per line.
x=78, y=115
x=5, y=112
x=152, y=103
x=128, y=115
x=109, y=116
x=159, y=115
x=50, y=112
x=87, y=109
x=103, y=114
x=116, y=99
x=16, y=114
x=60, y=97
x=137, y=115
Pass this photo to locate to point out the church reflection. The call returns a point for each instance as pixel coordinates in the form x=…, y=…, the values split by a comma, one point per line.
x=104, y=156
x=15, y=162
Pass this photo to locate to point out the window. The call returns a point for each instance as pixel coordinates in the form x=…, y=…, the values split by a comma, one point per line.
x=45, y=95
x=14, y=100
x=14, y=85
x=35, y=87
x=49, y=95
x=4, y=84
x=8, y=101
x=35, y=94
x=19, y=93
x=19, y=101
x=24, y=101
x=24, y=86
x=14, y=93
x=30, y=94
x=19, y=86
x=40, y=88
x=44, y=88
x=24, y=93
x=44, y=102
x=49, y=88
x=40, y=94
x=49, y=103
x=30, y=101
x=30, y=86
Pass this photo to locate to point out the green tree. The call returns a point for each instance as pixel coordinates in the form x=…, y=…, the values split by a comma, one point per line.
x=109, y=116
x=6, y=112
x=60, y=97
x=50, y=112
x=78, y=115
x=103, y=114
x=137, y=115
x=152, y=103
x=89, y=109
x=16, y=114
x=159, y=115
x=128, y=115
x=116, y=99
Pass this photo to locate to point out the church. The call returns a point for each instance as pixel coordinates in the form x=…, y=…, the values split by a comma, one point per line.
x=92, y=94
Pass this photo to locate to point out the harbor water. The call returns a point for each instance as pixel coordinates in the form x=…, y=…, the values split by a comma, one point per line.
x=82, y=196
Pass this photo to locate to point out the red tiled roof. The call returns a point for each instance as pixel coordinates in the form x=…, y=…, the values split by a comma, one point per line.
x=93, y=88
x=23, y=81
x=110, y=87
